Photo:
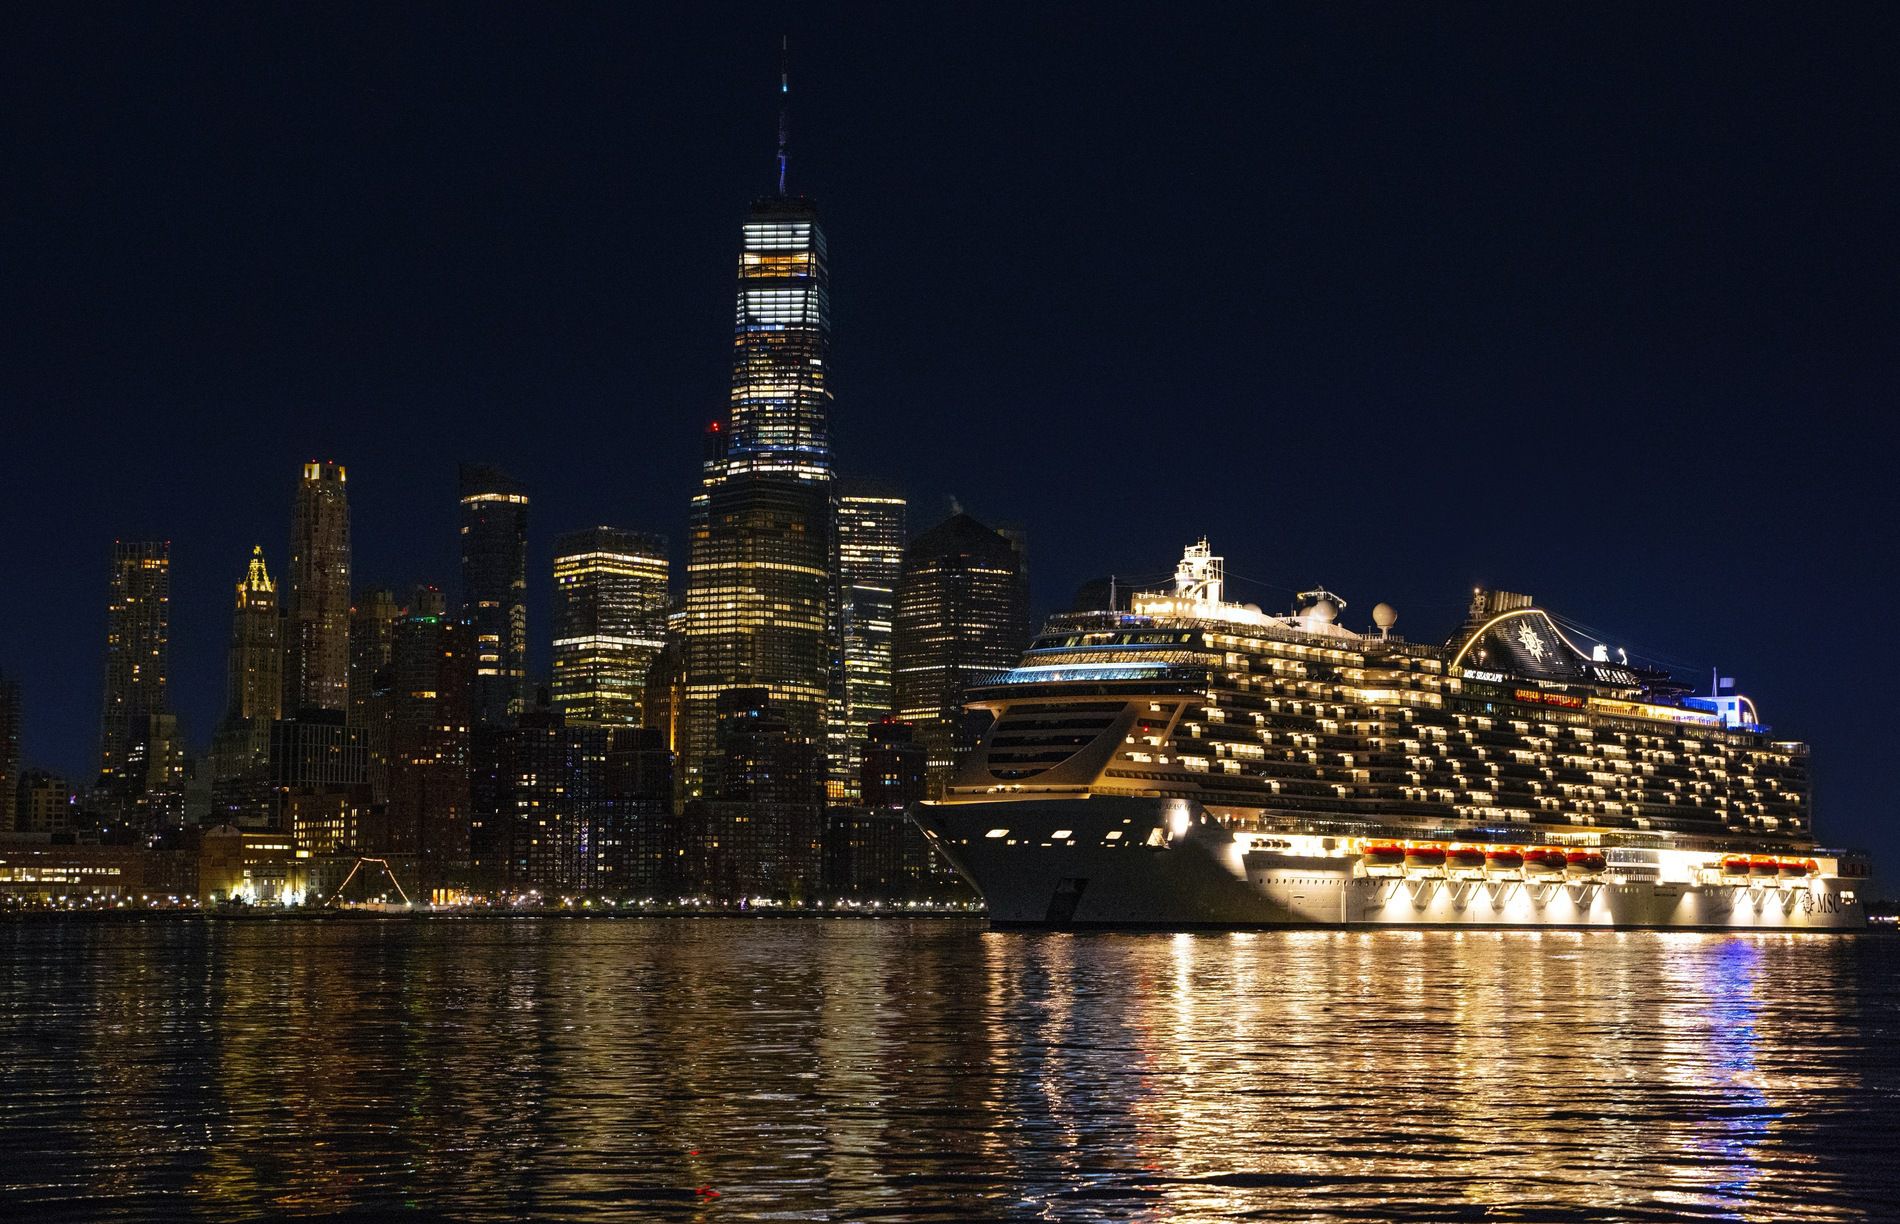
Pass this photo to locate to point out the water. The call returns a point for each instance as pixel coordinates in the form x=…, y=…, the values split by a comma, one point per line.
x=732, y=1069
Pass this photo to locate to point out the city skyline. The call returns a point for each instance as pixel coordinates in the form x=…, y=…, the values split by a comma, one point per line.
x=1644, y=561
x=872, y=611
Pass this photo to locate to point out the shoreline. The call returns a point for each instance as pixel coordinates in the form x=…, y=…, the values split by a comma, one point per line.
x=1879, y=927
x=482, y=915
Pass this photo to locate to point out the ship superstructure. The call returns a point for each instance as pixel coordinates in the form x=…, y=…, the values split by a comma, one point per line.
x=1196, y=761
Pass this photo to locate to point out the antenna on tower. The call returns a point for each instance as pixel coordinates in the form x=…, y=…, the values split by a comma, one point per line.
x=784, y=103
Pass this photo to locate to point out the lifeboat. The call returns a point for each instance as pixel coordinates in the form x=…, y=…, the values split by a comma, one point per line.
x=1544, y=862
x=1585, y=862
x=1505, y=860
x=1762, y=868
x=1383, y=856
x=1791, y=869
x=1464, y=858
x=1734, y=866
x=1424, y=858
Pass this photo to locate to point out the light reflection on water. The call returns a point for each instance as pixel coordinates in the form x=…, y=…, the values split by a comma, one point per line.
x=711, y=1069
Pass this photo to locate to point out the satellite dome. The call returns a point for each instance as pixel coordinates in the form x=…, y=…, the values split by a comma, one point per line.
x=1323, y=612
x=1385, y=615
x=1253, y=608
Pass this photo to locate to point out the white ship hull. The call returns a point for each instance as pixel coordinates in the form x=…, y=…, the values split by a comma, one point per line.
x=1123, y=862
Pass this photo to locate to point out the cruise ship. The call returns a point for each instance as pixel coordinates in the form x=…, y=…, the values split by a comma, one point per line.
x=1194, y=762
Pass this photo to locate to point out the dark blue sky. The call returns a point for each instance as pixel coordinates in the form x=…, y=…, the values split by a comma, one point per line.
x=1590, y=301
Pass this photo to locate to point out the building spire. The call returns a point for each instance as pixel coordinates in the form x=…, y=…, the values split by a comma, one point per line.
x=257, y=579
x=784, y=102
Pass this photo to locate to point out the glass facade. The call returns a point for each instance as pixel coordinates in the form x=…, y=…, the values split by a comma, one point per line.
x=962, y=614
x=317, y=614
x=9, y=754
x=138, y=658
x=761, y=606
x=870, y=525
x=610, y=605
x=544, y=803
x=781, y=362
x=430, y=716
x=495, y=588
x=758, y=606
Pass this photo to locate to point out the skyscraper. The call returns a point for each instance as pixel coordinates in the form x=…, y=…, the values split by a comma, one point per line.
x=495, y=588
x=760, y=605
x=317, y=613
x=48, y=803
x=254, y=686
x=9, y=754
x=781, y=391
x=373, y=618
x=894, y=766
x=870, y=526
x=318, y=772
x=666, y=686
x=541, y=805
x=429, y=732
x=610, y=604
x=634, y=840
x=962, y=611
x=759, y=831
x=140, y=758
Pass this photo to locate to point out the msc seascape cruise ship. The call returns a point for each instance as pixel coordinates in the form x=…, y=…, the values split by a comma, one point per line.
x=1195, y=762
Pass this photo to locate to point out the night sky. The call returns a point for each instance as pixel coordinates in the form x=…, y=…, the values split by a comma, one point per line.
x=1592, y=302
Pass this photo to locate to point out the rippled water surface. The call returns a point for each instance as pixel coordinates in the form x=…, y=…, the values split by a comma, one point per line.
x=732, y=1069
